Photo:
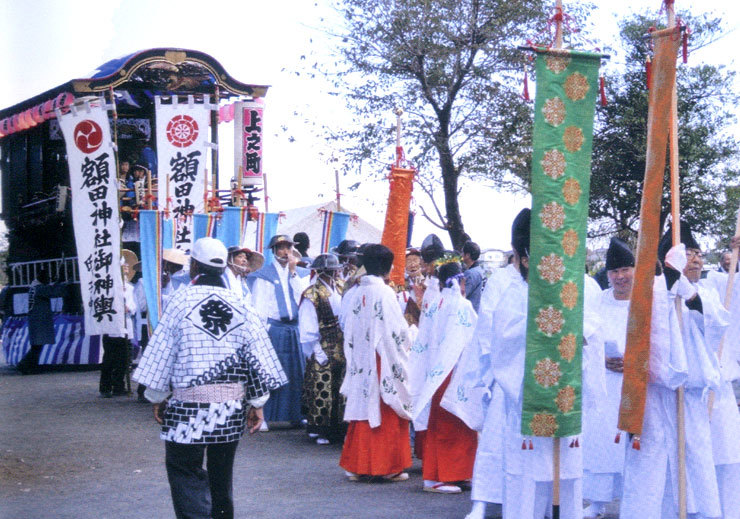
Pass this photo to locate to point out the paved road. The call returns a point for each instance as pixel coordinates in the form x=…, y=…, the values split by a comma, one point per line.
x=66, y=453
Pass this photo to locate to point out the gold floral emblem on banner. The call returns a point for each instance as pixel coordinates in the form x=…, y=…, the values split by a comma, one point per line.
x=576, y=86
x=553, y=216
x=567, y=347
x=566, y=399
x=543, y=424
x=549, y=321
x=553, y=164
x=570, y=242
x=551, y=268
x=569, y=295
x=571, y=191
x=557, y=64
x=573, y=139
x=547, y=373
x=554, y=111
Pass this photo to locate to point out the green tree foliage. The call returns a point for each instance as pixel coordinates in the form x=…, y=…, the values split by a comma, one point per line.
x=708, y=153
x=453, y=67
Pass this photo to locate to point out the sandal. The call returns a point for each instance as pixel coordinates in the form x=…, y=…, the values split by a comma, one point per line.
x=398, y=476
x=442, y=488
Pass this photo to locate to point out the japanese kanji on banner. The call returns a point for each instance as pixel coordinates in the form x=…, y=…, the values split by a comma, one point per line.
x=92, y=175
x=248, y=141
x=567, y=83
x=182, y=134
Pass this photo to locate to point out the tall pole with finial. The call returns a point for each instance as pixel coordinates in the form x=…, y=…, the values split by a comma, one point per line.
x=676, y=239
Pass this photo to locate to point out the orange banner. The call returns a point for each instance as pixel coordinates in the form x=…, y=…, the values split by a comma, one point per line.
x=637, y=352
x=396, y=226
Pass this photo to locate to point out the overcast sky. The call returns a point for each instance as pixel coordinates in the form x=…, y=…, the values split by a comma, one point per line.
x=48, y=42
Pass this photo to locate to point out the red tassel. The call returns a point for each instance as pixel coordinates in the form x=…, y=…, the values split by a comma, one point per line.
x=636, y=443
x=685, y=48
x=602, y=90
x=363, y=300
x=577, y=444
x=572, y=444
x=648, y=72
x=525, y=94
x=531, y=447
x=524, y=445
x=618, y=437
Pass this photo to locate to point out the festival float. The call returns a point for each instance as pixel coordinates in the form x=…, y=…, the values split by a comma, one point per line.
x=126, y=158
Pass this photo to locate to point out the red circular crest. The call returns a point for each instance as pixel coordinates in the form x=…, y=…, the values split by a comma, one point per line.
x=88, y=136
x=182, y=130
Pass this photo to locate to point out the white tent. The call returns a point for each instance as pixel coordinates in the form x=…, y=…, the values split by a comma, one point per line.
x=310, y=220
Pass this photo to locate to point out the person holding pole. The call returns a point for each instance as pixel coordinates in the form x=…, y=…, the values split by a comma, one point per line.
x=680, y=356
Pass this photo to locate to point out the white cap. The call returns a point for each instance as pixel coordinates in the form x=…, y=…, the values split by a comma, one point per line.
x=209, y=251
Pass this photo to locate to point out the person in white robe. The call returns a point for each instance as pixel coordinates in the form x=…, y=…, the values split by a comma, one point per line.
x=378, y=406
x=603, y=445
x=449, y=446
x=527, y=477
x=650, y=483
x=725, y=418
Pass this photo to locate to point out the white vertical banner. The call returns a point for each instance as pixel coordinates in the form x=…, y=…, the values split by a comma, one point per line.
x=248, y=141
x=182, y=140
x=92, y=175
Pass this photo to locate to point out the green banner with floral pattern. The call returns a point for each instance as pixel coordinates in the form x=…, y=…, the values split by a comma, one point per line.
x=567, y=84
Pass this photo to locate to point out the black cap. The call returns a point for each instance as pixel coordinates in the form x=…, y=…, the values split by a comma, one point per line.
x=432, y=248
x=520, y=232
x=619, y=255
x=666, y=242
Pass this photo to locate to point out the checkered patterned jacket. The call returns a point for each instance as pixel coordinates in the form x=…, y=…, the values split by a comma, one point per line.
x=208, y=336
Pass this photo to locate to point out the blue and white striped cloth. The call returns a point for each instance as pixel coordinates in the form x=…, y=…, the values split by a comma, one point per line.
x=72, y=346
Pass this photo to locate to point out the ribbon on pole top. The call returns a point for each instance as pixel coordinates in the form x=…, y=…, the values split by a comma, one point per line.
x=637, y=349
x=567, y=85
x=333, y=229
x=94, y=188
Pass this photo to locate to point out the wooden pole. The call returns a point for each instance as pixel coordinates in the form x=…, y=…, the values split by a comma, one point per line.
x=676, y=238
x=727, y=301
x=149, y=189
x=167, y=196
x=214, y=139
x=339, y=196
x=264, y=183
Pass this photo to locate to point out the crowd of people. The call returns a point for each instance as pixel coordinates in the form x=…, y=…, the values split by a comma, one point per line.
x=435, y=367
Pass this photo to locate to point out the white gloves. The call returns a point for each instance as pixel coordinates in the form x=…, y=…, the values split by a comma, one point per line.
x=683, y=288
x=676, y=257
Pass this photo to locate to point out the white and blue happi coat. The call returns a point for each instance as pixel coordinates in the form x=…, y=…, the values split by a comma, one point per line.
x=207, y=336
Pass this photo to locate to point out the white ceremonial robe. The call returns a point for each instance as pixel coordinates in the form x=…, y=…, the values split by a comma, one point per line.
x=374, y=325
x=725, y=419
x=651, y=474
x=453, y=327
x=263, y=293
x=475, y=398
x=529, y=472
x=603, y=459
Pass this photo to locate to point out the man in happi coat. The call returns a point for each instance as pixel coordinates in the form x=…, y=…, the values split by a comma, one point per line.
x=378, y=407
x=603, y=444
x=241, y=262
x=449, y=444
x=323, y=345
x=276, y=292
x=651, y=473
x=211, y=356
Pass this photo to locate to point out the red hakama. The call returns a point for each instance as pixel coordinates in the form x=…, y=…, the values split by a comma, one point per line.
x=377, y=452
x=449, y=444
